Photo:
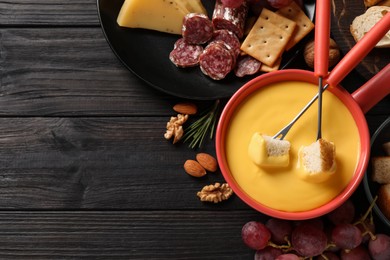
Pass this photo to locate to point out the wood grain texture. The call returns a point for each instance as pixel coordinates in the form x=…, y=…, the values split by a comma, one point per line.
x=96, y=163
x=342, y=16
x=48, y=13
x=124, y=235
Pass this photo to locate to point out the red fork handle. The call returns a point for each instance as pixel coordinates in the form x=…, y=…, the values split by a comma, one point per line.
x=321, y=38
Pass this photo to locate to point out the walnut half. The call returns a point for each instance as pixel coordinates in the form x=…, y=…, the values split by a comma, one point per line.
x=215, y=193
x=175, y=127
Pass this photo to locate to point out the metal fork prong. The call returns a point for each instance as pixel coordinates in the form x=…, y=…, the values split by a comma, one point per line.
x=287, y=128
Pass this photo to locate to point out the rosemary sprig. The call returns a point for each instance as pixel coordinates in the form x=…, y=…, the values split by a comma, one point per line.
x=197, y=131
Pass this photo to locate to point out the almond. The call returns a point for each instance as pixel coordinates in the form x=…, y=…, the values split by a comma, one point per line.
x=186, y=108
x=194, y=169
x=207, y=161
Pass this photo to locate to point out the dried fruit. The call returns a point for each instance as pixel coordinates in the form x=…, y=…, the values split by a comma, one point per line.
x=186, y=108
x=215, y=193
x=207, y=161
x=194, y=169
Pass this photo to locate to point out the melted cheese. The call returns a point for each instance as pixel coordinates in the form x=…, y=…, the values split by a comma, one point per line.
x=159, y=15
x=267, y=111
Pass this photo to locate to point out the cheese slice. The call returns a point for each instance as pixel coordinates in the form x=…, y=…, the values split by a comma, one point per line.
x=159, y=15
x=194, y=6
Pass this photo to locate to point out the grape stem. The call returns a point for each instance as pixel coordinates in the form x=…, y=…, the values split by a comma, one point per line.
x=362, y=220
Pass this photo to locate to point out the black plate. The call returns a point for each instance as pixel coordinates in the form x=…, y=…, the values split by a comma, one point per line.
x=145, y=53
x=381, y=136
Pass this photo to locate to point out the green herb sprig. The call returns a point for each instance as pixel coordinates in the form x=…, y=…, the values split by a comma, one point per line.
x=196, y=132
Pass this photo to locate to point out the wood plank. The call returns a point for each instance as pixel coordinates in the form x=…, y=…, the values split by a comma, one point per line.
x=68, y=72
x=110, y=163
x=49, y=13
x=124, y=235
x=97, y=163
x=57, y=72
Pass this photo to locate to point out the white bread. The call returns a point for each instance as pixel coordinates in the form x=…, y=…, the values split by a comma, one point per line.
x=363, y=23
x=276, y=147
x=369, y=3
x=266, y=151
x=381, y=169
x=318, y=160
x=384, y=199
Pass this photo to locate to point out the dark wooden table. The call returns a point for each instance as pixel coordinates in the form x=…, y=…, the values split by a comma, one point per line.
x=84, y=169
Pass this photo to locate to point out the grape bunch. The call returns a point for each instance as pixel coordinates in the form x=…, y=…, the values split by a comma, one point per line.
x=337, y=235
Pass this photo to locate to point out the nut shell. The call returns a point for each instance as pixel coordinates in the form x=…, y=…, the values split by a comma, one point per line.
x=334, y=53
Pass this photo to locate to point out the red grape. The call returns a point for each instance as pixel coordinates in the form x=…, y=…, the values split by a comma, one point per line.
x=232, y=3
x=268, y=253
x=255, y=235
x=279, y=3
x=308, y=240
x=287, y=257
x=280, y=230
x=343, y=214
x=359, y=252
x=346, y=236
x=380, y=247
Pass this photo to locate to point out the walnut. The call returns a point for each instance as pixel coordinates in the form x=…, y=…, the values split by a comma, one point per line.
x=175, y=127
x=215, y=193
x=334, y=53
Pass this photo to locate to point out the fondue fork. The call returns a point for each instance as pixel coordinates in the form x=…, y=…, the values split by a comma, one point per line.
x=349, y=61
x=321, y=52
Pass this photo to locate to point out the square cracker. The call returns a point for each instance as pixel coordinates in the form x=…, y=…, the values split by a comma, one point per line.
x=304, y=24
x=265, y=68
x=265, y=41
x=279, y=20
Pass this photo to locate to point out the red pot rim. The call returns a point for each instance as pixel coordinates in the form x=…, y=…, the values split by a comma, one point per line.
x=293, y=75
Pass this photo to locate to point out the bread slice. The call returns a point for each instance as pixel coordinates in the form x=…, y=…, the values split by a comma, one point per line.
x=381, y=169
x=386, y=148
x=269, y=152
x=385, y=3
x=318, y=160
x=384, y=199
x=363, y=23
x=369, y=3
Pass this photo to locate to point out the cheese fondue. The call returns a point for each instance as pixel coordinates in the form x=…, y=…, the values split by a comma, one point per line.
x=269, y=109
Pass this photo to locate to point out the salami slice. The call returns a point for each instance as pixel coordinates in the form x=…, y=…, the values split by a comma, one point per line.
x=232, y=19
x=197, y=28
x=185, y=55
x=217, y=60
x=229, y=38
x=246, y=65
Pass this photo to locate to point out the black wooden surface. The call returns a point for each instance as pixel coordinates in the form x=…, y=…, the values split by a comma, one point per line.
x=85, y=172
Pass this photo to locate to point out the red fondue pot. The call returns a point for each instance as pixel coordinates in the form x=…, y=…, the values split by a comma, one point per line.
x=358, y=103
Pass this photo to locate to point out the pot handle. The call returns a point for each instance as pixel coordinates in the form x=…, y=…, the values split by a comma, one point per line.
x=373, y=90
x=359, y=51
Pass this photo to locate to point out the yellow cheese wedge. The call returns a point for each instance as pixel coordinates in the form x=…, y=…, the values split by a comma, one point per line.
x=194, y=6
x=266, y=151
x=158, y=15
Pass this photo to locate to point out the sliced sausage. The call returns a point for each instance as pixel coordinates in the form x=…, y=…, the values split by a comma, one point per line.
x=197, y=28
x=246, y=65
x=232, y=19
x=185, y=55
x=217, y=60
